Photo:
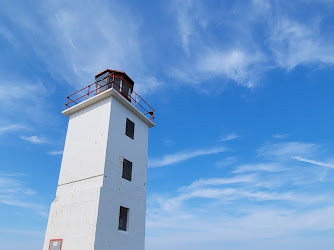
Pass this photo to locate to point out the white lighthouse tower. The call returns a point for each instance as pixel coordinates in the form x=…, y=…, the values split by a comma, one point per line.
x=101, y=195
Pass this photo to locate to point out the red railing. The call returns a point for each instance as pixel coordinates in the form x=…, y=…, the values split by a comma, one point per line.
x=108, y=82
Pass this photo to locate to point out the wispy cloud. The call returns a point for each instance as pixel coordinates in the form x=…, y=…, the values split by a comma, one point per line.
x=297, y=43
x=34, y=139
x=14, y=192
x=13, y=127
x=226, y=162
x=185, y=22
x=60, y=152
x=11, y=93
x=222, y=181
x=189, y=21
x=168, y=142
x=235, y=64
x=318, y=163
x=280, y=136
x=266, y=167
x=258, y=228
x=8, y=35
x=27, y=100
x=288, y=149
x=244, y=57
x=147, y=85
x=229, y=137
x=240, y=197
x=171, y=159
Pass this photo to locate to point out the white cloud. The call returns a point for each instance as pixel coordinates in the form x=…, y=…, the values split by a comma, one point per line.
x=268, y=37
x=12, y=127
x=266, y=167
x=318, y=163
x=118, y=47
x=185, y=21
x=10, y=93
x=8, y=35
x=288, y=149
x=235, y=64
x=60, y=152
x=280, y=136
x=246, y=204
x=295, y=43
x=258, y=229
x=222, y=181
x=226, y=162
x=34, y=139
x=168, y=142
x=28, y=101
x=229, y=137
x=13, y=192
x=147, y=85
x=67, y=50
x=182, y=156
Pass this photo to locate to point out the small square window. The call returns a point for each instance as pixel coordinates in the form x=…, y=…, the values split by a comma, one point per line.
x=123, y=218
x=130, y=128
x=55, y=244
x=127, y=170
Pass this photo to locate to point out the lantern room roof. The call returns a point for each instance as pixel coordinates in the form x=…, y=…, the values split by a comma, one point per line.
x=117, y=72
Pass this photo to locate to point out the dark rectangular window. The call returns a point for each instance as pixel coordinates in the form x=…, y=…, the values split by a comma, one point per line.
x=130, y=128
x=123, y=218
x=127, y=169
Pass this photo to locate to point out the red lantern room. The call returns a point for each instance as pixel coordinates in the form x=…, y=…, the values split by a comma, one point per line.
x=118, y=80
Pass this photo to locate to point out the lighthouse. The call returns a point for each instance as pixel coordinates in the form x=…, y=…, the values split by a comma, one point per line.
x=101, y=195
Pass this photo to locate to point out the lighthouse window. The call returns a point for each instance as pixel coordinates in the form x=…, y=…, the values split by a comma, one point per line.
x=123, y=218
x=125, y=88
x=127, y=170
x=130, y=128
x=117, y=84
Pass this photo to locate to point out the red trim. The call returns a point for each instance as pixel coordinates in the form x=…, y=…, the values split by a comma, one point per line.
x=61, y=242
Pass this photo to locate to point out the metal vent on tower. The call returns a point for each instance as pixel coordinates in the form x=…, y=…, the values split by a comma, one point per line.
x=123, y=218
x=127, y=170
x=130, y=128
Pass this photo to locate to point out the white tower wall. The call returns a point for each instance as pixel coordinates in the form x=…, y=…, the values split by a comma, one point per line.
x=91, y=189
x=117, y=191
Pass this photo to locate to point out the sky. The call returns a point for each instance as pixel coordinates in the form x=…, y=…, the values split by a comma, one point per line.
x=242, y=153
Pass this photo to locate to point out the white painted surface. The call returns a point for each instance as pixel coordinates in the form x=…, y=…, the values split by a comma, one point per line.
x=117, y=191
x=103, y=95
x=91, y=188
x=86, y=143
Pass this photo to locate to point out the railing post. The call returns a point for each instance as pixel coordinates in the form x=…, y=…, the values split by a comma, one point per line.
x=88, y=92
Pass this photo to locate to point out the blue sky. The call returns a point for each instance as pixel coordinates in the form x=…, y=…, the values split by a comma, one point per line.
x=242, y=154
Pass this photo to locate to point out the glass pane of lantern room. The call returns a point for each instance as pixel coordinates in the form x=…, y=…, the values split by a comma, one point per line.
x=101, y=82
x=117, y=84
x=125, y=88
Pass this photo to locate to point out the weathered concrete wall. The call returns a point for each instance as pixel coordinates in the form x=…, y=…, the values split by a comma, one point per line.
x=73, y=214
